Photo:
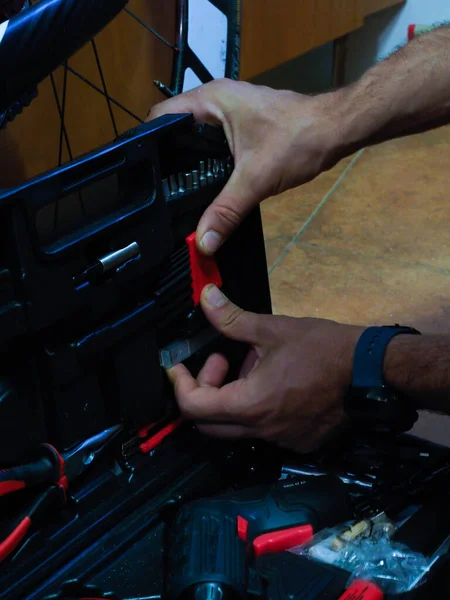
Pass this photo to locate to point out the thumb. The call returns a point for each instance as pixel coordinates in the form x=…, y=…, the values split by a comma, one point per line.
x=226, y=213
x=233, y=322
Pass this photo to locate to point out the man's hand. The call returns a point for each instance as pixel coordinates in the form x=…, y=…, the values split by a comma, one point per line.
x=278, y=139
x=291, y=385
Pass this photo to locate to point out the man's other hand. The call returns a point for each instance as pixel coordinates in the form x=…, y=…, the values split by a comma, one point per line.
x=279, y=139
x=291, y=386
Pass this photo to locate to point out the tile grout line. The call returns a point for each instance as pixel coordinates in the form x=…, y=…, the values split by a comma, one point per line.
x=318, y=208
x=378, y=257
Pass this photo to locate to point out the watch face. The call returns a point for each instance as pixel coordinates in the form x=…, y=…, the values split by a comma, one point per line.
x=379, y=409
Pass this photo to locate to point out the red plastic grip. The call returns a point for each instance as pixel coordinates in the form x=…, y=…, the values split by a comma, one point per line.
x=204, y=270
x=159, y=437
x=7, y=487
x=242, y=528
x=284, y=539
x=411, y=32
x=362, y=590
x=14, y=539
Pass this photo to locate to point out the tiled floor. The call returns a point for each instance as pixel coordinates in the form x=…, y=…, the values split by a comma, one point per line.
x=368, y=242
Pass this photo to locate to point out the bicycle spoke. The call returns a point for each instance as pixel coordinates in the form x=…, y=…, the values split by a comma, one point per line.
x=100, y=91
x=63, y=115
x=108, y=99
x=153, y=31
x=66, y=138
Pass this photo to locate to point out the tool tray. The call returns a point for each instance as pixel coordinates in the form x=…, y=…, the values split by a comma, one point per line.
x=96, y=279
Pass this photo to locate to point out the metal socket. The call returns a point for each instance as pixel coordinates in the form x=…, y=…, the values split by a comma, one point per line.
x=165, y=188
x=188, y=178
x=173, y=186
x=119, y=257
x=202, y=173
x=181, y=189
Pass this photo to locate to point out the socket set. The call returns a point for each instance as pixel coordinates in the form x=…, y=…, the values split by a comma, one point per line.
x=208, y=172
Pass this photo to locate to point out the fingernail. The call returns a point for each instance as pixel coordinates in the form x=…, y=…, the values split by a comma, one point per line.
x=214, y=296
x=211, y=242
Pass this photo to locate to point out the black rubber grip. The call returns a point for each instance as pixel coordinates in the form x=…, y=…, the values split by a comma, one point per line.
x=204, y=547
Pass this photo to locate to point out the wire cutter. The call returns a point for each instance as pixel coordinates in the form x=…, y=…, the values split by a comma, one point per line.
x=52, y=468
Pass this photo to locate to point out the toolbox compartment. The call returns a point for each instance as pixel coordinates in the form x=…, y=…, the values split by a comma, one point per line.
x=79, y=356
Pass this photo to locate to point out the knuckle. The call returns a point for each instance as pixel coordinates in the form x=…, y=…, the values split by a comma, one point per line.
x=228, y=214
x=232, y=318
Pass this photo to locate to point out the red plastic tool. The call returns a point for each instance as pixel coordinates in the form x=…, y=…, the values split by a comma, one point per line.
x=204, y=270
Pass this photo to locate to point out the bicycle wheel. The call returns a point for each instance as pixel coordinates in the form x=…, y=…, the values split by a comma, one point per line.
x=107, y=86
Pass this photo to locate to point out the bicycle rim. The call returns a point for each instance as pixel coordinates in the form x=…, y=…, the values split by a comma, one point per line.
x=107, y=87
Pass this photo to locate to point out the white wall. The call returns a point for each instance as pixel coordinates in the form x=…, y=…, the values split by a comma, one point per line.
x=387, y=30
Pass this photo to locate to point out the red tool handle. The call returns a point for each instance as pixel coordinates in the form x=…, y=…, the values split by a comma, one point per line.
x=52, y=498
x=362, y=590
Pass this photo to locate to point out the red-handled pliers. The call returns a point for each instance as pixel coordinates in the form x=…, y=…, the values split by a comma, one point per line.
x=56, y=469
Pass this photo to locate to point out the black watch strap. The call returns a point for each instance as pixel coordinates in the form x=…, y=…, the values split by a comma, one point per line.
x=369, y=355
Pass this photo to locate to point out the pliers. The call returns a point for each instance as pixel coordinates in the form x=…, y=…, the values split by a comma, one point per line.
x=52, y=468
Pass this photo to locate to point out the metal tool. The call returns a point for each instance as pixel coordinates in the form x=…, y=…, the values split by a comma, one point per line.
x=195, y=179
x=188, y=177
x=58, y=471
x=181, y=350
x=166, y=188
x=180, y=178
x=365, y=481
x=163, y=88
x=173, y=186
x=209, y=172
x=202, y=173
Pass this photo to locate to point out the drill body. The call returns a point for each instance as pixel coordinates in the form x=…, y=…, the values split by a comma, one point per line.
x=214, y=541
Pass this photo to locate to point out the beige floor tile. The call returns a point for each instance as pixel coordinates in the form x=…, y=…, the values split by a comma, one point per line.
x=349, y=288
x=285, y=215
x=394, y=203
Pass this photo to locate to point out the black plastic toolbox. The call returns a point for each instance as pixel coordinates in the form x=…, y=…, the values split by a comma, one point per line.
x=80, y=340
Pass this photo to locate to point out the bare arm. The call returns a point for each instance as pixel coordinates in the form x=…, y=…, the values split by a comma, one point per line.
x=419, y=366
x=404, y=94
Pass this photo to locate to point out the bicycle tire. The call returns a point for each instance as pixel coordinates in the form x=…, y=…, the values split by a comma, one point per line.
x=31, y=47
x=36, y=41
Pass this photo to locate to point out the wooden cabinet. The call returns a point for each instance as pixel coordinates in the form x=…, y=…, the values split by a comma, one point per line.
x=275, y=31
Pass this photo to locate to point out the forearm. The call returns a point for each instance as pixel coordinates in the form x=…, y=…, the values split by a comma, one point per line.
x=406, y=93
x=419, y=366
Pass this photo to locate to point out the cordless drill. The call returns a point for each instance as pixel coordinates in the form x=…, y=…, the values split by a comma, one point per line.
x=212, y=541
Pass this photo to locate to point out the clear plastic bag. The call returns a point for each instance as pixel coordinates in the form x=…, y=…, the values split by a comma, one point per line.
x=368, y=553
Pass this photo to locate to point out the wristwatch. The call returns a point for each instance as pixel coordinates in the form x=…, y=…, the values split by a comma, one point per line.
x=370, y=403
